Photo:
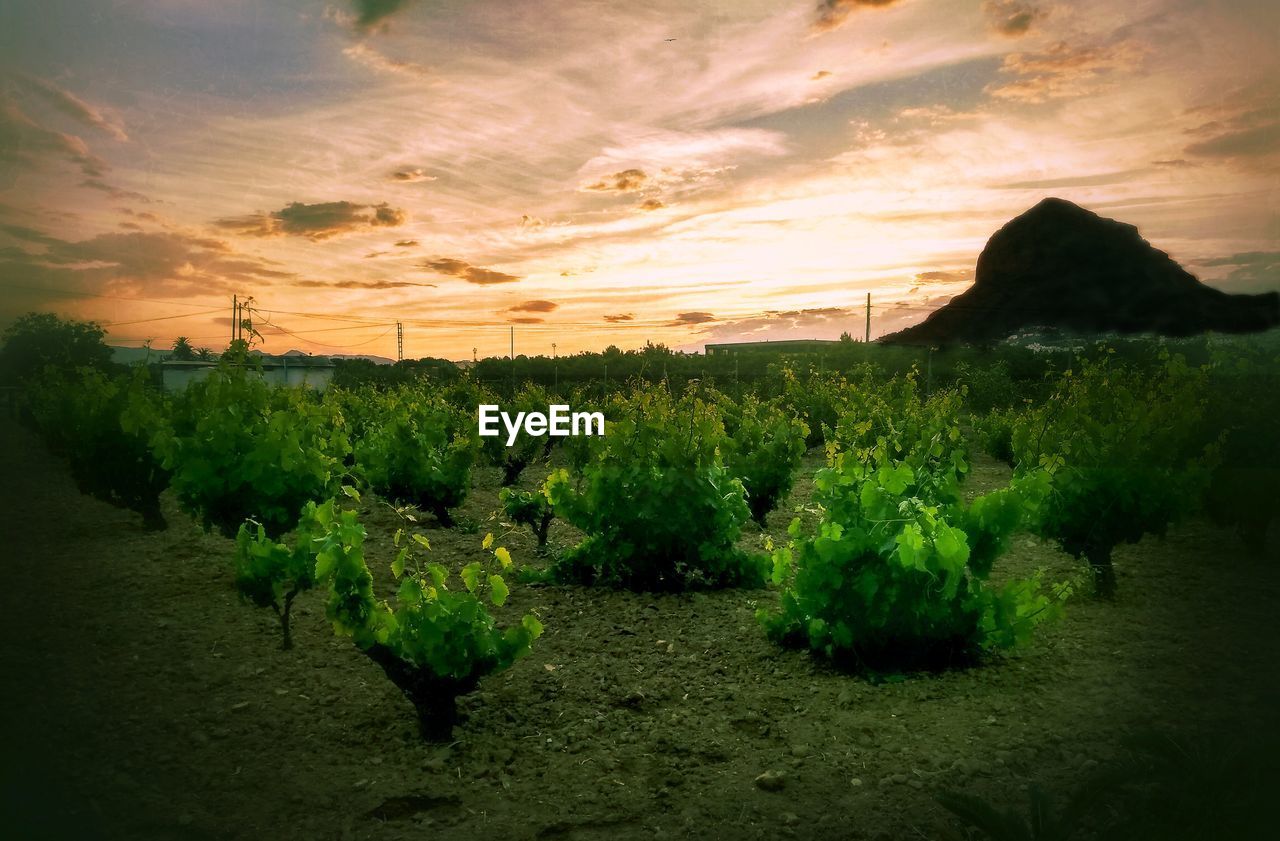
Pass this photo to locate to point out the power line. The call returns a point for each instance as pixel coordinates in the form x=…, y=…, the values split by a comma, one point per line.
x=159, y=318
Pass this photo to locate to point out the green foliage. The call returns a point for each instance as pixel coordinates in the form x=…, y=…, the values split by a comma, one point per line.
x=79, y=414
x=242, y=450
x=1244, y=408
x=418, y=449
x=1120, y=443
x=527, y=448
x=36, y=342
x=271, y=574
x=529, y=508
x=994, y=431
x=659, y=508
x=182, y=350
x=818, y=399
x=893, y=575
x=763, y=447
x=437, y=641
x=988, y=386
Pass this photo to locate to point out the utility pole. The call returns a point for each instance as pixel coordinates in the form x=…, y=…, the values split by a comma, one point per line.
x=868, y=334
x=235, y=315
x=555, y=369
x=399, y=342
x=513, y=361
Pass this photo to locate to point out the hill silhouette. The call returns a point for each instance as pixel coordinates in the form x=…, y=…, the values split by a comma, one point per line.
x=1061, y=266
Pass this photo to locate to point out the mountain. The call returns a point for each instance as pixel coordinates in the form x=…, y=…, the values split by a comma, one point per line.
x=1061, y=266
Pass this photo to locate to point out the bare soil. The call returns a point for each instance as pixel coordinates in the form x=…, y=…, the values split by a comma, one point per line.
x=144, y=700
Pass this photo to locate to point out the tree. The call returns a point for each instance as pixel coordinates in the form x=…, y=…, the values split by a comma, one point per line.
x=39, y=340
x=182, y=350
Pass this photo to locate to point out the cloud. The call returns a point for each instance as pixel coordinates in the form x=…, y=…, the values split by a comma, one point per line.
x=315, y=221
x=1243, y=142
x=68, y=104
x=532, y=222
x=833, y=13
x=1064, y=70
x=534, y=306
x=114, y=192
x=25, y=145
x=1094, y=179
x=406, y=243
x=619, y=318
x=411, y=176
x=376, y=60
x=360, y=284
x=466, y=271
x=159, y=263
x=526, y=319
x=1011, y=18
x=1251, y=271
x=945, y=276
x=689, y=318
x=372, y=13
x=626, y=181
x=652, y=204
x=820, y=75
x=825, y=322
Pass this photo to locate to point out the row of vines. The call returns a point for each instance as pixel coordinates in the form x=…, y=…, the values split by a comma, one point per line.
x=889, y=569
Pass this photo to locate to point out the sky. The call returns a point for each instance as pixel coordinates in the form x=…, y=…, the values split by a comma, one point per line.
x=608, y=172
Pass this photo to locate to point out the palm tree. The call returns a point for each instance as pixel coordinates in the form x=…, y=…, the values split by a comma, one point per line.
x=182, y=350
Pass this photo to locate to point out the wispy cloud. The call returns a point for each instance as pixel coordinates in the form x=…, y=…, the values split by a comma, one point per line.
x=68, y=104
x=1066, y=70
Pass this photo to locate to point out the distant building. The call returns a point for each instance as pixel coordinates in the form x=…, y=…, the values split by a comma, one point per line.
x=289, y=370
x=784, y=346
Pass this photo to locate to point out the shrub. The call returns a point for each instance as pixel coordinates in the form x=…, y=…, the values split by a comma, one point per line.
x=1244, y=404
x=81, y=416
x=994, y=431
x=1122, y=447
x=435, y=643
x=763, y=447
x=659, y=509
x=242, y=450
x=527, y=448
x=894, y=574
x=418, y=451
x=271, y=574
x=529, y=508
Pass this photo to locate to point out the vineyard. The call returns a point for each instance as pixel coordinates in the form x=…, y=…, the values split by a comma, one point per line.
x=836, y=603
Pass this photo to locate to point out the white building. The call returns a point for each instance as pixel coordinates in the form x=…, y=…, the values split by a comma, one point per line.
x=311, y=371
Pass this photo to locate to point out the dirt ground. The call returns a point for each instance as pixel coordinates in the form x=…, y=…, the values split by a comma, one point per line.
x=144, y=700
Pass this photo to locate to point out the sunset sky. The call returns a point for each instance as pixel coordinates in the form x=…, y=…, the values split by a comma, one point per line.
x=606, y=172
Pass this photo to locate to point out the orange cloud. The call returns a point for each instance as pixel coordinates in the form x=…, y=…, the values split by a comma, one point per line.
x=465, y=271
x=626, y=181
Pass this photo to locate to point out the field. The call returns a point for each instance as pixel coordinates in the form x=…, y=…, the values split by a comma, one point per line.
x=144, y=700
